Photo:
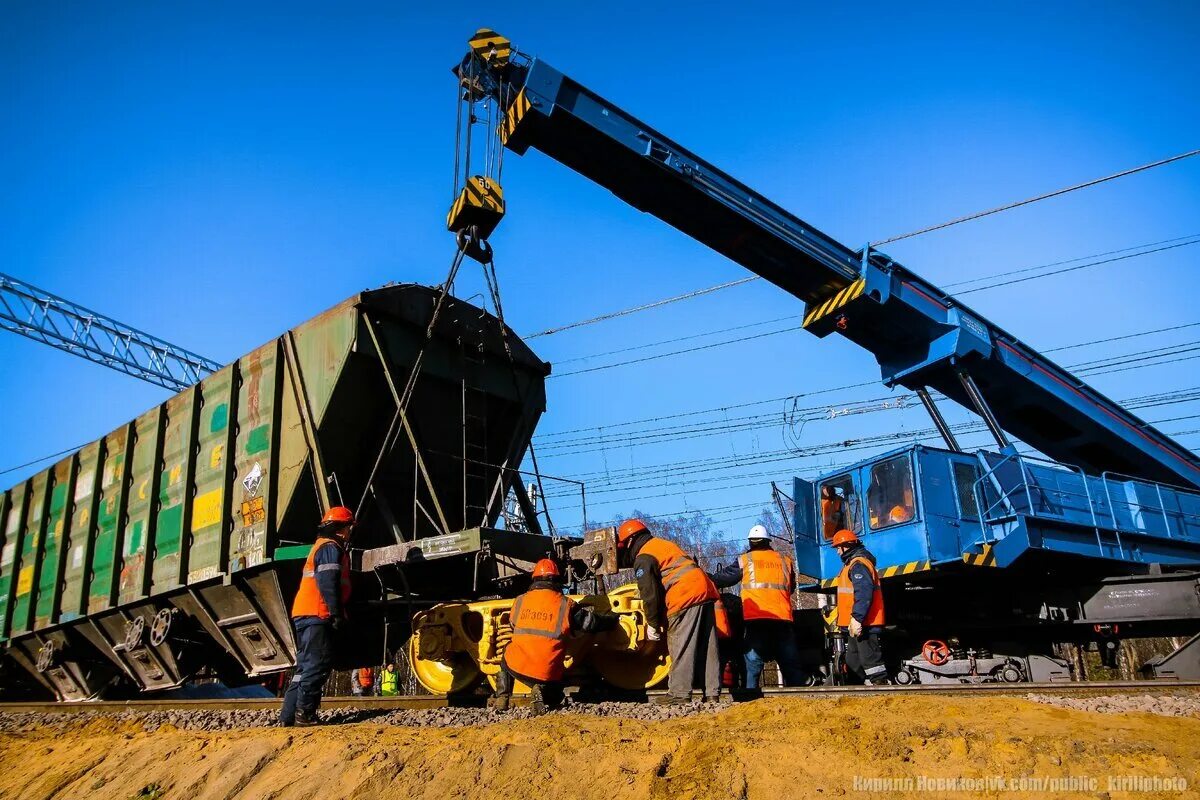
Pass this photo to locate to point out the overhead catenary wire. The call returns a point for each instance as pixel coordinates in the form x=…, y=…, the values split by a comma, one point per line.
x=1035, y=199
x=644, y=307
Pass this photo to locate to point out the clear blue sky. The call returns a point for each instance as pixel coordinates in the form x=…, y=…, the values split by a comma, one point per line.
x=218, y=172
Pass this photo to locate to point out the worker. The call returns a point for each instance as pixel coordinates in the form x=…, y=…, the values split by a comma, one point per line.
x=389, y=681
x=362, y=682
x=860, y=609
x=833, y=514
x=317, y=614
x=767, y=579
x=542, y=620
x=679, y=597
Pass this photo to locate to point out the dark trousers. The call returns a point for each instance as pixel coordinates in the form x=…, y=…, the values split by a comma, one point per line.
x=864, y=656
x=692, y=643
x=549, y=692
x=772, y=640
x=314, y=662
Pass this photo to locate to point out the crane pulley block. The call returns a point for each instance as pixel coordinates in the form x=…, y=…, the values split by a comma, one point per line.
x=479, y=205
x=491, y=47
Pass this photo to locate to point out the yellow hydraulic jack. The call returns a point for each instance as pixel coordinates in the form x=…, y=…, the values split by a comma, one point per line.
x=455, y=646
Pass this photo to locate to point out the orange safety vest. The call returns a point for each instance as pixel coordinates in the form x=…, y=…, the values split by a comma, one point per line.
x=685, y=583
x=845, y=596
x=831, y=511
x=366, y=677
x=766, y=585
x=724, y=628
x=308, y=602
x=541, y=623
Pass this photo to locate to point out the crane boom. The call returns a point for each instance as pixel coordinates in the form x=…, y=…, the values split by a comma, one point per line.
x=60, y=323
x=922, y=337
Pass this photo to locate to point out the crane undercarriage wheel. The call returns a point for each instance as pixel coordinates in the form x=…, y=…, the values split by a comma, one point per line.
x=460, y=674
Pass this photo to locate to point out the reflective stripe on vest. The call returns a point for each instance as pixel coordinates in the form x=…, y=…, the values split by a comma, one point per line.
x=762, y=597
x=845, y=595
x=309, y=602
x=550, y=633
x=685, y=583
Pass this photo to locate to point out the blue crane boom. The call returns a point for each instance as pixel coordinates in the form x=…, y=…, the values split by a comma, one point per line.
x=60, y=323
x=922, y=337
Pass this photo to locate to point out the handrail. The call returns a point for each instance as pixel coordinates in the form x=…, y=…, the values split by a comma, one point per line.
x=1162, y=505
x=991, y=512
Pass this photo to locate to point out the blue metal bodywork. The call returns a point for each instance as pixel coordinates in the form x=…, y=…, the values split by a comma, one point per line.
x=920, y=335
x=994, y=510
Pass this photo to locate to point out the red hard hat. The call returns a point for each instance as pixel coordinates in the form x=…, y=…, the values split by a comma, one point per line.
x=545, y=568
x=844, y=537
x=338, y=515
x=629, y=528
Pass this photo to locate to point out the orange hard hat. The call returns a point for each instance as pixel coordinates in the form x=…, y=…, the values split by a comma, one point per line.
x=338, y=515
x=629, y=528
x=546, y=568
x=844, y=537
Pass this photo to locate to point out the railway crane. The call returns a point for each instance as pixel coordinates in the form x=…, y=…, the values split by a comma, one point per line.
x=1096, y=541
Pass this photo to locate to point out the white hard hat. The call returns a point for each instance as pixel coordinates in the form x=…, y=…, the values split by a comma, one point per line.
x=758, y=532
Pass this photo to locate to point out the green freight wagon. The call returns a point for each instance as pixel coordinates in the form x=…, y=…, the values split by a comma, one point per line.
x=174, y=544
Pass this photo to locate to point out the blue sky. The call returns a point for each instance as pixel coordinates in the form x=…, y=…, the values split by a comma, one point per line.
x=216, y=173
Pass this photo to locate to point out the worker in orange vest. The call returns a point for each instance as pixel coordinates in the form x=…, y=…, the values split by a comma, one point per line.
x=860, y=609
x=362, y=682
x=767, y=580
x=679, y=597
x=542, y=620
x=317, y=613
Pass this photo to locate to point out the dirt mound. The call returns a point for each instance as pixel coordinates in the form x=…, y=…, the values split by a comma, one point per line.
x=775, y=748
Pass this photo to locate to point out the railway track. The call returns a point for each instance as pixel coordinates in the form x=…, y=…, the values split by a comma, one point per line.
x=406, y=703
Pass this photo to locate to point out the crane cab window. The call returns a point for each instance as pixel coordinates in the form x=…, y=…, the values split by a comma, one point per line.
x=890, y=498
x=839, y=507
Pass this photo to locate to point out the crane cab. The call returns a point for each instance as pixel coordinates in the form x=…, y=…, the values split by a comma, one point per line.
x=920, y=509
x=908, y=506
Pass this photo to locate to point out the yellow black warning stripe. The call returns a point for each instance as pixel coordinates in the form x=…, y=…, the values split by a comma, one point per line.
x=480, y=193
x=516, y=112
x=837, y=301
x=985, y=559
x=888, y=572
x=491, y=47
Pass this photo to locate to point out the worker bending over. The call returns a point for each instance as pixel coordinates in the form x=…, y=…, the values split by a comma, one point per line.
x=542, y=620
x=860, y=609
x=767, y=579
x=676, y=595
x=362, y=682
x=317, y=612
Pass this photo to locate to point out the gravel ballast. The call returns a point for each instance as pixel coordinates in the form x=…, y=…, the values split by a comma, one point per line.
x=1167, y=705
x=212, y=720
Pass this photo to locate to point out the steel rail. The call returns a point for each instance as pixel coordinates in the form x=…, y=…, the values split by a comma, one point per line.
x=418, y=702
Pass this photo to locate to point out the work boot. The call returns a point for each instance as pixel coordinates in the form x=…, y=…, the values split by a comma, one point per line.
x=305, y=720
x=537, y=708
x=498, y=702
x=672, y=700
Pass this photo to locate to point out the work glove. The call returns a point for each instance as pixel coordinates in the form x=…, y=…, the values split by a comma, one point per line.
x=653, y=634
x=337, y=622
x=856, y=628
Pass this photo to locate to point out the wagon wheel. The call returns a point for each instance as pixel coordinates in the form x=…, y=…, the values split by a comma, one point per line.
x=47, y=656
x=160, y=627
x=133, y=633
